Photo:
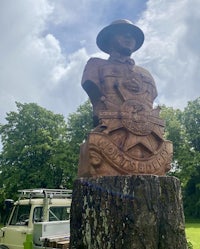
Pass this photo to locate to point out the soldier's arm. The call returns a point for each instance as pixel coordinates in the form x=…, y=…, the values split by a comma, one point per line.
x=91, y=80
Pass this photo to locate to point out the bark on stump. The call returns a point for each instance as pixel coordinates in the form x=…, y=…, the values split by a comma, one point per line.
x=127, y=212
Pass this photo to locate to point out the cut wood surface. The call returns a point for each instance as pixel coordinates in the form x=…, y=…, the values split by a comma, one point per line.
x=127, y=212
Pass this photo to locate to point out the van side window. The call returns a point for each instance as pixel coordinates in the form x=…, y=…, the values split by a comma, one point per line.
x=38, y=214
x=59, y=213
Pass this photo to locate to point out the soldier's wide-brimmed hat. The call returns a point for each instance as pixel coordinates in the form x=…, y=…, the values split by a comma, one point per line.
x=119, y=26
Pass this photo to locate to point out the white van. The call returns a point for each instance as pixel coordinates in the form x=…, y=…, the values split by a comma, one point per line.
x=39, y=219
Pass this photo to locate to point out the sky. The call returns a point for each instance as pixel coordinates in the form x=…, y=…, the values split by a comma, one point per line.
x=45, y=45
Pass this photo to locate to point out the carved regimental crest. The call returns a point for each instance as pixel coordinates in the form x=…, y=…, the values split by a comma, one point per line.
x=126, y=145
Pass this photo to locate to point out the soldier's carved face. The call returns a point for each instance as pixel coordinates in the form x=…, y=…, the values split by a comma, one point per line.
x=123, y=43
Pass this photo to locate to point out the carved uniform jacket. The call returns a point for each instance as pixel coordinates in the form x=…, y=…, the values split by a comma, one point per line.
x=118, y=86
x=128, y=133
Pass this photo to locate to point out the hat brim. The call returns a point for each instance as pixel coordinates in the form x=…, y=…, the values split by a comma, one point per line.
x=103, y=38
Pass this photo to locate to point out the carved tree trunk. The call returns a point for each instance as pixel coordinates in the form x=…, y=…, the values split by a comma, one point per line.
x=127, y=212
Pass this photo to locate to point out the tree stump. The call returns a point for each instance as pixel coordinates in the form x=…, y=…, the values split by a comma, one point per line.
x=127, y=212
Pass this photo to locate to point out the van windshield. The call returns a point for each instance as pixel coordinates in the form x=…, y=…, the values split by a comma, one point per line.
x=20, y=215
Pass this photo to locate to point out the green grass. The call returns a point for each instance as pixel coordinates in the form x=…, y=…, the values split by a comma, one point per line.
x=193, y=233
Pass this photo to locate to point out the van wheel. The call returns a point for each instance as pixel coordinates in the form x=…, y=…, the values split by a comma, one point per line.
x=3, y=247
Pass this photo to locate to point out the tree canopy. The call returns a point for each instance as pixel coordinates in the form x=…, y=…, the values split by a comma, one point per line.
x=34, y=149
x=183, y=129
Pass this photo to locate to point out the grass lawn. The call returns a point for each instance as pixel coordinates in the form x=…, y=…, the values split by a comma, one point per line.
x=193, y=233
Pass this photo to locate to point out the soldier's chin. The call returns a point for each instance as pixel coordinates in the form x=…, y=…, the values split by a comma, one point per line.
x=126, y=51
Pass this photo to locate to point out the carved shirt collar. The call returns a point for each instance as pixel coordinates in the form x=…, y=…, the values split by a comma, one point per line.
x=121, y=59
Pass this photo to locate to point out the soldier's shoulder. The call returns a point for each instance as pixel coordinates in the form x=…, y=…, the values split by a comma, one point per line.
x=96, y=61
x=142, y=70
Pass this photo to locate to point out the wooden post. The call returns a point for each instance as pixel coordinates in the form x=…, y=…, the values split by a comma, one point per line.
x=127, y=212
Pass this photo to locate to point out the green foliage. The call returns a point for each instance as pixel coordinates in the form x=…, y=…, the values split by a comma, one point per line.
x=183, y=129
x=34, y=149
x=39, y=149
x=175, y=132
x=189, y=244
x=191, y=119
x=173, y=128
x=79, y=125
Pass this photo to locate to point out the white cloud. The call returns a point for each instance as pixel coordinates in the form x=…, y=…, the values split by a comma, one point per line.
x=21, y=24
x=171, y=50
x=32, y=66
x=65, y=94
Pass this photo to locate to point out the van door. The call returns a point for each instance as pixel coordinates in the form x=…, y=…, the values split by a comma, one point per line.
x=17, y=229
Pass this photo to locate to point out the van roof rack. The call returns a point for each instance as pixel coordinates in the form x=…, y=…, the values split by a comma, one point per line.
x=45, y=193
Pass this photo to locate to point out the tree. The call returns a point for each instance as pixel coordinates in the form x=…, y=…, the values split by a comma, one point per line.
x=173, y=128
x=192, y=193
x=79, y=125
x=34, y=149
x=183, y=129
x=191, y=120
x=175, y=131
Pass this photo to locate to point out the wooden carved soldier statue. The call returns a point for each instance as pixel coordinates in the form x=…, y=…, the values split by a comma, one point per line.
x=127, y=138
